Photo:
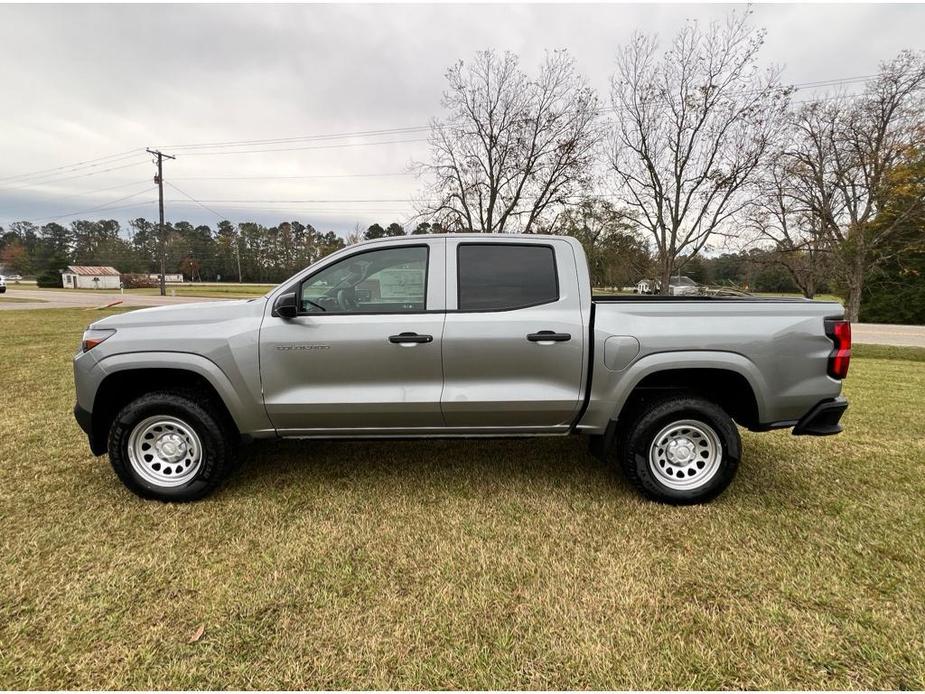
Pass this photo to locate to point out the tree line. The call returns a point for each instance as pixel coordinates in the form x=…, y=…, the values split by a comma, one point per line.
x=698, y=149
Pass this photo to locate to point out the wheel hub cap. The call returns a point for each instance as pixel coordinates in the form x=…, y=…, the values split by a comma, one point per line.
x=685, y=454
x=165, y=451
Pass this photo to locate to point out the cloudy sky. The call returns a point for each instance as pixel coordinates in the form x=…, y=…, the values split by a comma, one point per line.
x=100, y=83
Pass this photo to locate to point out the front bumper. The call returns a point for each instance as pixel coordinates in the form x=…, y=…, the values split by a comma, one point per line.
x=85, y=421
x=823, y=419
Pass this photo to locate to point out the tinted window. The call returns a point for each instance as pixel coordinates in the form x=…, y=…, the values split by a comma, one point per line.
x=494, y=277
x=391, y=280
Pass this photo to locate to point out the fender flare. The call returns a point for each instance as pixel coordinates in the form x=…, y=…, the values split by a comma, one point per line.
x=669, y=361
x=246, y=418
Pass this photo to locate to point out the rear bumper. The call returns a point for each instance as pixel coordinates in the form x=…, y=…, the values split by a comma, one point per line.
x=823, y=419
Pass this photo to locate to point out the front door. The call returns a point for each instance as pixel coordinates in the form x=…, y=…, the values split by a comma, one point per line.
x=364, y=353
x=513, y=342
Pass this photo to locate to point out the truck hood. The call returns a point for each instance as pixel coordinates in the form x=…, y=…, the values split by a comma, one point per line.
x=199, y=313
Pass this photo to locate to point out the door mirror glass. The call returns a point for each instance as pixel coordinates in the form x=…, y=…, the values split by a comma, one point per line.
x=285, y=306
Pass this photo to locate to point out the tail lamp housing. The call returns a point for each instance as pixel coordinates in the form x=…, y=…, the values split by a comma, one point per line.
x=839, y=332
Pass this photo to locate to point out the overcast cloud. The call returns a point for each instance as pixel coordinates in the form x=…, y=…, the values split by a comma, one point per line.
x=81, y=82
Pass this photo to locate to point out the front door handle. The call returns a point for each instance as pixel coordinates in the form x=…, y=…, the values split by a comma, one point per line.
x=549, y=336
x=410, y=339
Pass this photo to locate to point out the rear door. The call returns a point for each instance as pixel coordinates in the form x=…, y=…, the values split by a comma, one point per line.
x=513, y=339
x=363, y=355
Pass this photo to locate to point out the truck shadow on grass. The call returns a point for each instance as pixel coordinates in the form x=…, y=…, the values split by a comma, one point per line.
x=474, y=466
x=466, y=464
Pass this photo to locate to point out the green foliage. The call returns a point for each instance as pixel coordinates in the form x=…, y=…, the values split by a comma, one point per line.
x=616, y=256
x=896, y=292
x=377, y=232
x=49, y=279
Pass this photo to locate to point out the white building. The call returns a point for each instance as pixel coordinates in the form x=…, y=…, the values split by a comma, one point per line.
x=682, y=285
x=91, y=277
x=678, y=285
x=169, y=278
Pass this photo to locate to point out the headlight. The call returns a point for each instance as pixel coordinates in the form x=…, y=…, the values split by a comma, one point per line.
x=94, y=336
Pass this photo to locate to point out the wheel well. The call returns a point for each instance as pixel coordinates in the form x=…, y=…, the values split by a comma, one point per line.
x=118, y=389
x=728, y=389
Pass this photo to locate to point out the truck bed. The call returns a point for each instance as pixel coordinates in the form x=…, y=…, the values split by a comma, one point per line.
x=617, y=298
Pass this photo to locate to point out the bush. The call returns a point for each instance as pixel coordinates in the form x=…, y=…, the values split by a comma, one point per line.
x=895, y=292
x=50, y=279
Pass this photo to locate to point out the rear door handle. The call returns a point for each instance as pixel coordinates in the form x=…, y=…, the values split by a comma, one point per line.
x=549, y=336
x=410, y=339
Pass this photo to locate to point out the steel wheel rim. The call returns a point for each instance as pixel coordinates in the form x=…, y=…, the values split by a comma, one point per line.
x=165, y=451
x=685, y=454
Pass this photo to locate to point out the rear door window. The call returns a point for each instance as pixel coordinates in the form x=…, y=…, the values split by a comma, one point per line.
x=502, y=277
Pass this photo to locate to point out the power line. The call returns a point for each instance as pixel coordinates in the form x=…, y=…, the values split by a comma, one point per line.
x=208, y=209
x=298, y=149
x=424, y=128
x=112, y=204
x=67, y=168
x=290, y=178
x=304, y=138
x=286, y=202
x=97, y=190
x=33, y=184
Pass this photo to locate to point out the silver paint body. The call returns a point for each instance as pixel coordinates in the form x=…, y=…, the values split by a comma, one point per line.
x=337, y=375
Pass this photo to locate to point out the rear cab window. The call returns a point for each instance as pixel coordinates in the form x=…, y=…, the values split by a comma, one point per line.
x=505, y=277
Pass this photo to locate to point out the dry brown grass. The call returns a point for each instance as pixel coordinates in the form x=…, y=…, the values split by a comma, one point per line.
x=494, y=564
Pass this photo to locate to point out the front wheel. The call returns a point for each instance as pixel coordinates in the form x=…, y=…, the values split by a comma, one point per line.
x=171, y=447
x=681, y=450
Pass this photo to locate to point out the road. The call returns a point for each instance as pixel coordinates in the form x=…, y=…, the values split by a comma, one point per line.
x=883, y=334
x=75, y=299
x=862, y=333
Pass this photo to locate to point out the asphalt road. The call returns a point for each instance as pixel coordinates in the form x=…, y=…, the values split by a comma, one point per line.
x=884, y=334
x=862, y=333
x=75, y=299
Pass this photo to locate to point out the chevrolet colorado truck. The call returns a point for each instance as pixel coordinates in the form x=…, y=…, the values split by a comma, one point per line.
x=464, y=335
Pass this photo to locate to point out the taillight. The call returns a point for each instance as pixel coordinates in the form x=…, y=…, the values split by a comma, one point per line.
x=839, y=332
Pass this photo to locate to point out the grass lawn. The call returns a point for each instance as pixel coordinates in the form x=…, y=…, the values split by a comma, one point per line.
x=495, y=564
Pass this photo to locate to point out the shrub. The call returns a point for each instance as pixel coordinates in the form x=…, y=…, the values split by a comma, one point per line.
x=50, y=279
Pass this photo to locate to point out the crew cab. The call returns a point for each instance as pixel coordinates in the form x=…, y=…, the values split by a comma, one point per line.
x=463, y=335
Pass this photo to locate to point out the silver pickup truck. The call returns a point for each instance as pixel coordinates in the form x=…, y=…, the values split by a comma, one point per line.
x=462, y=335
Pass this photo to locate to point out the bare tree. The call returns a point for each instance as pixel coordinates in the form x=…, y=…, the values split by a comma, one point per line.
x=779, y=215
x=844, y=154
x=692, y=127
x=511, y=148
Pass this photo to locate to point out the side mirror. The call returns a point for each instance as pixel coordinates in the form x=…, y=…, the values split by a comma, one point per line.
x=285, y=306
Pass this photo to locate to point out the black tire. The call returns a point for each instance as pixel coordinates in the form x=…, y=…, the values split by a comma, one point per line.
x=652, y=419
x=215, y=435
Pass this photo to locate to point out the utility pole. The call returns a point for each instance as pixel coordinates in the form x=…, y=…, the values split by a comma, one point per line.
x=237, y=250
x=159, y=179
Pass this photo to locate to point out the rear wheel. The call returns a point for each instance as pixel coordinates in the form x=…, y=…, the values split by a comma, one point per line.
x=681, y=450
x=171, y=447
